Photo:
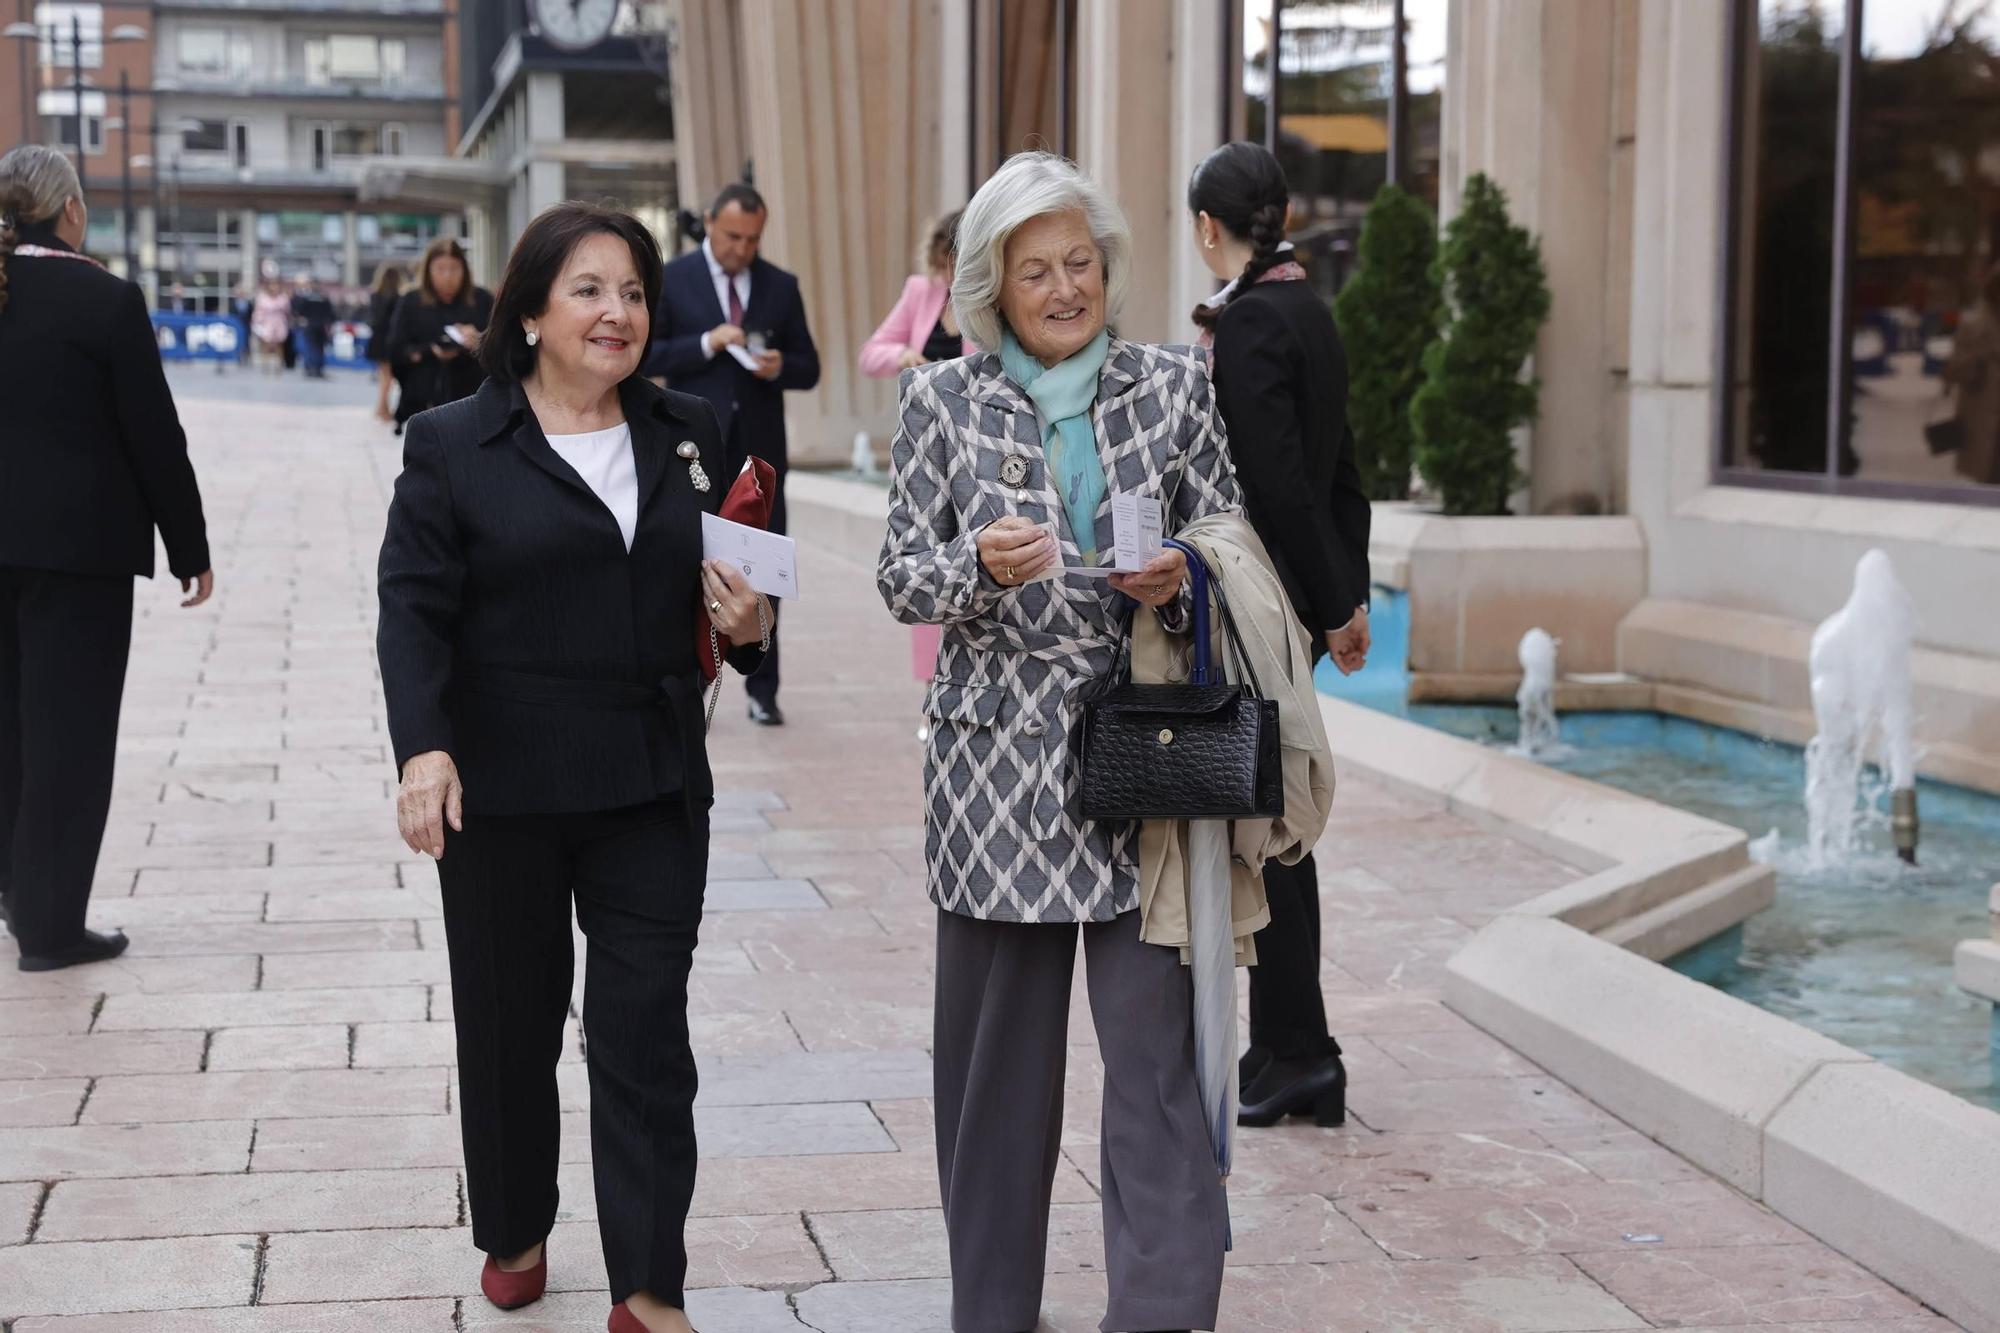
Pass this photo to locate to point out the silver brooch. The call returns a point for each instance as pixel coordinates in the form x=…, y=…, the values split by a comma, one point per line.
x=1014, y=470
x=689, y=451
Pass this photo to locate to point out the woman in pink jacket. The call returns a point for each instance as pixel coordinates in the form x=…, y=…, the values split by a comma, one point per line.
x=921, y=327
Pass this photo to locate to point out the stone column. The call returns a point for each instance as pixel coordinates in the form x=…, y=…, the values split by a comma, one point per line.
x=1541, y=96
x=350, y=256
x=247, y=227
x=709, y=124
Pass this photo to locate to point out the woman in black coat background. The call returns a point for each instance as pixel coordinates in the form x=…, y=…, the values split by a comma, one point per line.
x=92, y=460
x=382, y=302
x=541, y=580
x=1281, y=386
x=434, y=336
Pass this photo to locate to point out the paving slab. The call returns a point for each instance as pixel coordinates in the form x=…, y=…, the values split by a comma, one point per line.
x=113, y=1276
x=68, y=1152
x=358, y=1317
x=259, y=1201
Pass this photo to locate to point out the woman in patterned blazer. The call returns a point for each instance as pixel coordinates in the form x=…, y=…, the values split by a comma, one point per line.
x=1005, y=464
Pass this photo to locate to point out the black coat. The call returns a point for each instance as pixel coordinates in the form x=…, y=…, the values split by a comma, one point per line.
x=750, y=411
x=1281, y=385
x=417, y=335
x=92, y=455
x=519, y=636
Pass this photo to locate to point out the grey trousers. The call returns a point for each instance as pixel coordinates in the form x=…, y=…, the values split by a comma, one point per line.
x=999, y=1051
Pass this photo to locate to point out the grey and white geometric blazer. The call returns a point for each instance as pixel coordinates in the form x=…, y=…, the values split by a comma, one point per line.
x=1004, y=841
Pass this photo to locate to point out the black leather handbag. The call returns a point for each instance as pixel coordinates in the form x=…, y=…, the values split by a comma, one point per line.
x=1201, y=750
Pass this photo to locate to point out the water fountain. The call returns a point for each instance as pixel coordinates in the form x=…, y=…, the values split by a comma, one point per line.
x=1536, y=699
x=1860, y=669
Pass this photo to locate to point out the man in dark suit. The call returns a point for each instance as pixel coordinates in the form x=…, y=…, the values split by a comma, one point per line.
x=731, y=328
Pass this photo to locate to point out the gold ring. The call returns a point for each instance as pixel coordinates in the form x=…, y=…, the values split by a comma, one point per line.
x=1010, y=573
x=715, y=608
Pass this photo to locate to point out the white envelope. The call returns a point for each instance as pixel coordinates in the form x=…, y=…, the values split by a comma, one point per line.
x=768, y=560
x=743, y=358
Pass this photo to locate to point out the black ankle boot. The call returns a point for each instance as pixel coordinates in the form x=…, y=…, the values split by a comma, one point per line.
x=1317, y=1088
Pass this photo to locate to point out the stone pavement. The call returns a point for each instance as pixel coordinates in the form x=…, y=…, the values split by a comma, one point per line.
x=246, y=1125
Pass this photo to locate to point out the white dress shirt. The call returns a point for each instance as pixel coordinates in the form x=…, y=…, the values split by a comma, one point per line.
x=603, y=458
x=722, y=281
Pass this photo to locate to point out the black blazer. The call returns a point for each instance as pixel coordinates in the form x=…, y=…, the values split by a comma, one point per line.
x=519, y=636
x=92, y=455
x=1281, y=385
x=750, y=411
x=417, y=331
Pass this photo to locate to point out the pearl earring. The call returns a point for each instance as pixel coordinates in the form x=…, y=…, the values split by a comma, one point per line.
x=533, y=337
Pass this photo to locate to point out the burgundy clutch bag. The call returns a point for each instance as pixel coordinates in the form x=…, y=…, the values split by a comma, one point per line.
x=749, y=503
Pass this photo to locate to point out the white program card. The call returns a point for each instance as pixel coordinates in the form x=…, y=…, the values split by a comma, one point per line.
x=743, y=357
x=1136, y=528
x=1055, y=567
x=768, y=560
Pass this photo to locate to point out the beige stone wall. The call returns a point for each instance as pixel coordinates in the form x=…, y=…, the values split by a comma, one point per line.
x=1541, y=95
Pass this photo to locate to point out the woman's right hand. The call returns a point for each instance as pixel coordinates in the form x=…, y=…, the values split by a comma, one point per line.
x=910, y=359
x=1014, y=550
x=430, y=796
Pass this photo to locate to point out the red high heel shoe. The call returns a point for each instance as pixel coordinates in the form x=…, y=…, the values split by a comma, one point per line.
x=624, y=1321
x=511, y=1291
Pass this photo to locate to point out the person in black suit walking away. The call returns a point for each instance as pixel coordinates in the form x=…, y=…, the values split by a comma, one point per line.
x=542, y=587
x=434, y=336
x=1281, y=385
x=381, y=314
x=92, y=460
x=715, y=303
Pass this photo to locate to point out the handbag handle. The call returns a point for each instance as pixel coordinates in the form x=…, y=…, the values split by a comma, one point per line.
x=1205, y=670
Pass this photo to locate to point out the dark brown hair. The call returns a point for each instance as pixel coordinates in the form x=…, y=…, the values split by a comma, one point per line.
x=389, y=278
x=1242, y=187
x=535, y=265
x=941, y=249
x=437, y=249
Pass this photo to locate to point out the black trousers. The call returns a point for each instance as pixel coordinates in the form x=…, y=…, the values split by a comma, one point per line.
x=637, y=876
x=1287, y=1010
x=64, y=642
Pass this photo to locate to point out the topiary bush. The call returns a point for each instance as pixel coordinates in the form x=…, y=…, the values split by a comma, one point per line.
x=1388, y=314
x=1473, y=395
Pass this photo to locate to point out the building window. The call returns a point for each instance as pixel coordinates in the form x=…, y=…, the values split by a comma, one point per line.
x=61, y=131
x=239, y=144
x=1861, y=345
x=392, y=140
x=205, y=136
x=61, y=24
x=322, y=146
x=1037, y=76
x=1338, y=103
x=214, y=51
x=357, y=140
x=355, y=58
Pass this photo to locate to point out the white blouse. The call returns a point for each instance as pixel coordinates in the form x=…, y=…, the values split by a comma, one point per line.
x=603, y=458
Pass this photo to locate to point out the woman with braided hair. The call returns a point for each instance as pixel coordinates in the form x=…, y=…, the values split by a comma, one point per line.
x=91, y=462
x=1281, y=386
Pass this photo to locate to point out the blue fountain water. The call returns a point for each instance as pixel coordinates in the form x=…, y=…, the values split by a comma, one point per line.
x=1860, y=951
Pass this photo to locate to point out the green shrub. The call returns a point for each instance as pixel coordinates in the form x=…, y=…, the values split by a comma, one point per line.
x=1388, y=314
x=1474, y=394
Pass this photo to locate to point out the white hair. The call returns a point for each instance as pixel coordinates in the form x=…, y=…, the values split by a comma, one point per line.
x=1028, y=186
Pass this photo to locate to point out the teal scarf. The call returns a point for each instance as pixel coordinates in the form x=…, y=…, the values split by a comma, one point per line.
x=1063, y=395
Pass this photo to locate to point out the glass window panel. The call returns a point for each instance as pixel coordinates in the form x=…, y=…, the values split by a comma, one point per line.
x=353, y=57
x=356, y=140
x=1036, y=37
x=1334, y=76
x=314, y=53
x=1925, y=276
x=64, y=23
x=394, y=55
x=1256, y=67
x=1424, y=35
x=1784, y=238
x=207, y=136
x=203, y=50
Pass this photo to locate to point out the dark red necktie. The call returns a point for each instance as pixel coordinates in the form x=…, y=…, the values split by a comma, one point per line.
x=735, y=302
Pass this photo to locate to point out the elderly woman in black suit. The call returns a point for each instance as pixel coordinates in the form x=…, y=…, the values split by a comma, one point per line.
x=1281, y=385
x=541, y=582
x=92, y=460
